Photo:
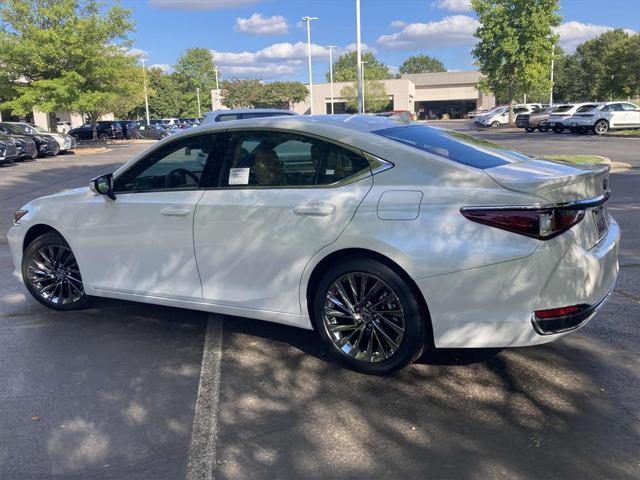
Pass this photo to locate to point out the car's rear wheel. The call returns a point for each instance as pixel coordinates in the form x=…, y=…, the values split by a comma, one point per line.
x=103, y=137
x=529, y=129
x=369, y=317
x=558, y=129
x=495, y=124
x=543, y=127
x=601, y=127
x=51, y=274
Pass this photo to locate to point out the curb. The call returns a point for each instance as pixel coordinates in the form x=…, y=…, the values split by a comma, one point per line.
x=615, y=167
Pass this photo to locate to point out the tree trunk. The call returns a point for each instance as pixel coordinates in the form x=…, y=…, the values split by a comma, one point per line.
x=94, y=126
x=510, y=100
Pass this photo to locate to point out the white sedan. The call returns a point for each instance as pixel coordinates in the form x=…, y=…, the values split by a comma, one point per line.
x=385, y=237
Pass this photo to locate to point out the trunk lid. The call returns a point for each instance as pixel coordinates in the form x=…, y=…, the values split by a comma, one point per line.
x=555, y=181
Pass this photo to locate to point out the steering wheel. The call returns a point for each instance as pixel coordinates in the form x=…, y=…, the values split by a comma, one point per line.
x=173, y=177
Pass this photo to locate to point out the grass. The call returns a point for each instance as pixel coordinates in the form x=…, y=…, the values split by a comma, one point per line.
x=627, y=133
x=575, y=158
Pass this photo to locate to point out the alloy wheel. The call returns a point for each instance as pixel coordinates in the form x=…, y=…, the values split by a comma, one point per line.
x=54, y=274
x=363, y=317
x=601, y=128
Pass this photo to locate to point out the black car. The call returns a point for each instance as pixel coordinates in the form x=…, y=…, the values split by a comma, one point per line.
x=127, y=127
x=150, y=132
x=27, y=148
x=8, y=150
x=106, y=130
x=45, y=145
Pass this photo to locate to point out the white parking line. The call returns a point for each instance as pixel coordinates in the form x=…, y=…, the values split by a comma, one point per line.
x=202, y=450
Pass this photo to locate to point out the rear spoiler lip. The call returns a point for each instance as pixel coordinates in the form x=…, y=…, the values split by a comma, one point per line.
x=573, y=205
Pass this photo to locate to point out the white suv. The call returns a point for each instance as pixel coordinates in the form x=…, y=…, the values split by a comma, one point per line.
x=501, y=116
x=606, y=116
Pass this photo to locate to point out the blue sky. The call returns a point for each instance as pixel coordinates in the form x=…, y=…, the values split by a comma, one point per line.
x=265, y=38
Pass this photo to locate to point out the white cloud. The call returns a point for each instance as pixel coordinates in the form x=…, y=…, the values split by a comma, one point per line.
x=454, y=5
x=453, y=31
x=267, y=70
x=398, y=24
x=200, y=4
x=136, y=52
x=352, y=48
x=256, y=24
x=574, y=33
x=165, y=67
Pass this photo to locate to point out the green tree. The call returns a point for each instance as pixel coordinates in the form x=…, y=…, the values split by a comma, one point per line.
x=421, y=64
x=62, y=54
x=344, y=68
x=376, y=98
x=238, y=93
x=515, y=40
x=281, y=94
x=164, y=96
x=194, y=69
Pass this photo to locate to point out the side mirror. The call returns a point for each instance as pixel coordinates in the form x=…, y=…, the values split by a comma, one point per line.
x=103, y=185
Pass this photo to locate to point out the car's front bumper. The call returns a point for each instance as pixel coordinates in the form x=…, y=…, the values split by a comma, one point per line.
x=493, y=306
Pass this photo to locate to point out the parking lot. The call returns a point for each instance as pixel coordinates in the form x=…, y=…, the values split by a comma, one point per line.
x=134, y=391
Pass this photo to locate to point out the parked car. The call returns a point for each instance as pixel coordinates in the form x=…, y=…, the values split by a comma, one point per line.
x=280, y=219
x=149, y=132
x=127, y=127
x=46, y=144
x=26, y=147
x=106, y=130
x=243, y=114
x=65, y=141
x=501, y=115
x=476, y=112
x=561, y=117
x=601, y=118
x=403, y=115
x=8, y=150
x=535, y=120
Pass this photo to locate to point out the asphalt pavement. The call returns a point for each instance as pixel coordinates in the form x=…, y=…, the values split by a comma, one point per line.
x=134, y=391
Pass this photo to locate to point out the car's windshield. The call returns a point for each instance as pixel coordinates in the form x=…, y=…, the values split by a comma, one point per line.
x=456, y=146
x=37, y=128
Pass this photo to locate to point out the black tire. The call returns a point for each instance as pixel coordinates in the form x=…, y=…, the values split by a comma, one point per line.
x=495, y=124
x=582, y=130
x=103, y=137
x=558, y=129
x=400, y=295
x=543, y=127
x=601, y=127
x=529, y=129
x=34, y=280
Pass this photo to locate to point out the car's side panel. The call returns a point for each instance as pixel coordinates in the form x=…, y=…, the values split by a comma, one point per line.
x=252, y=245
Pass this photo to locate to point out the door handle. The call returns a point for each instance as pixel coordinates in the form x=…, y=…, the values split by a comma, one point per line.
x=175, y=211
x=314, y=209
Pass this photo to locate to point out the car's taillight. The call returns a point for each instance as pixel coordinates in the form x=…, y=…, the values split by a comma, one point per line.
x=541, y=223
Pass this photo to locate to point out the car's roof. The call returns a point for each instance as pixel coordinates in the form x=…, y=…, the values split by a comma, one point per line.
x=250, y=110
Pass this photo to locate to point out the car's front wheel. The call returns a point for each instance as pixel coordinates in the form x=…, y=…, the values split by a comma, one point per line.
x=529, y=129
x=51, y=274
x=369, y=317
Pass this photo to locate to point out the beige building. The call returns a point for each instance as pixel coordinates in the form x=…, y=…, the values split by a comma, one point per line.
x=428, y=95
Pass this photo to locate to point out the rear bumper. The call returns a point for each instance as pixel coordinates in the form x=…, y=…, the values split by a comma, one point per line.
x=493, y=306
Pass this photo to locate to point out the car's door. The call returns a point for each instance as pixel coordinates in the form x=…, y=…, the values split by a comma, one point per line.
x=632, y=115
x=281, y=197
x=617, y=116
x=142, y=243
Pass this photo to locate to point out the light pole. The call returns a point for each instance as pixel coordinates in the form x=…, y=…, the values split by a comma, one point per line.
x=217, y=90
x=362, y=64
x=553, y=52
x=308, y=20
x=146, y=96
x=331, y=47
x=358, y=60
x=198, y=97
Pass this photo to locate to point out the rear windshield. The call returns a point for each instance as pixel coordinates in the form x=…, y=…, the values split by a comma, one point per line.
x=563, y=108
x=585, y=108
x=456, y=146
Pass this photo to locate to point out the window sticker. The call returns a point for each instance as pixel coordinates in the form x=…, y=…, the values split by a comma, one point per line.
x=329, y=172
x=239, y=176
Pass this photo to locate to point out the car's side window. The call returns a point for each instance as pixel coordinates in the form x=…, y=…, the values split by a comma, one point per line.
x=176, y=166
x=629, y=107
x=280, y=159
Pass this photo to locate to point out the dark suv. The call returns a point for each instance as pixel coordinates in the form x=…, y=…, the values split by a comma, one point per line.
x=45, y=145
x=106, y=130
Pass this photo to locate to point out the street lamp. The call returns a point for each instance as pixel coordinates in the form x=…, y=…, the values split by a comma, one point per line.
x=217, y=90
x=358, y=60
x=331, y=47
x=362, y=64
x=146, y=96
x=198, y=97
x=553, y=52
x=308, y=21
